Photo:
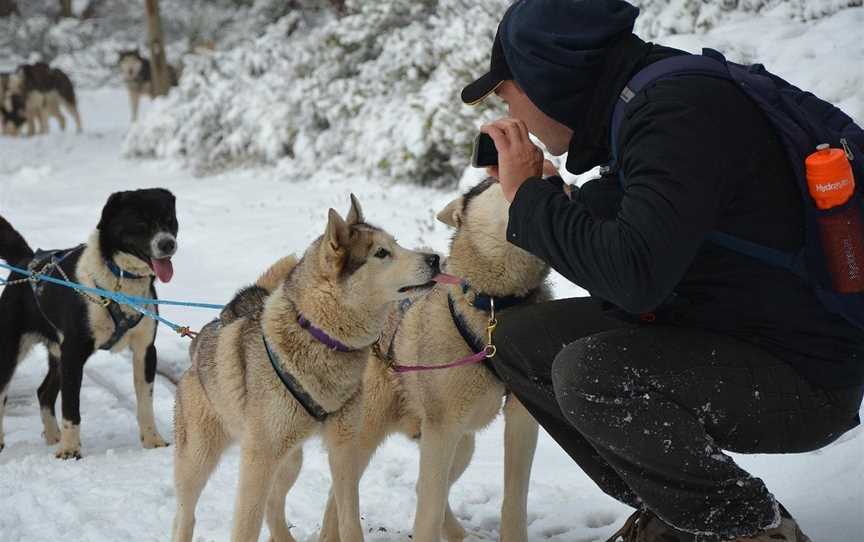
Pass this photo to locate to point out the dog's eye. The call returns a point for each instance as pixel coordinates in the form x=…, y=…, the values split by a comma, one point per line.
x=382, y=253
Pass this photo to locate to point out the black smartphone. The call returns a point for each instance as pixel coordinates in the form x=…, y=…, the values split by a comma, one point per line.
x=485, y=153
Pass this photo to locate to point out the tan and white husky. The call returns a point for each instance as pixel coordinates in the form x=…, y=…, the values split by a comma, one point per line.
x=443, y=409
x=285, y=362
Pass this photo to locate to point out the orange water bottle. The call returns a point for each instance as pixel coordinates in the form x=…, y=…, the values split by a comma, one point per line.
x=831, y=184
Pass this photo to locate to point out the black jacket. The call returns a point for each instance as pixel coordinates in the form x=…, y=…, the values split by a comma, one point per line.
x=696, y=156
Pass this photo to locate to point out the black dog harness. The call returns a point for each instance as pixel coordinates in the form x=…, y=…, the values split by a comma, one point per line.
x=122, y=323
x=46, y=262
x=473, y=341
x=295, y=388
x=484, y=301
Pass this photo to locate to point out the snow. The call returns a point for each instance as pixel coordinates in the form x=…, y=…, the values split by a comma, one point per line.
x=234, y=224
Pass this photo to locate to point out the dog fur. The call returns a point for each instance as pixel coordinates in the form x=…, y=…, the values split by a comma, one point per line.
x=137, y=77
x=12, y=114
x=135, y=227
x=343, y=284
x=444, y=409
x=44, y=90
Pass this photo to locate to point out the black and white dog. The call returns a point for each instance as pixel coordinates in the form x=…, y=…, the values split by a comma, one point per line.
x=132, y=245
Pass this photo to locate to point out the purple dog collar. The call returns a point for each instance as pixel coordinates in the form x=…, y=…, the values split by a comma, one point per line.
x=322, y=337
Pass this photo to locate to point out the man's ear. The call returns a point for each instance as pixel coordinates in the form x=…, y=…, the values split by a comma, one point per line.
x=111, y=207
x=355, y=214
x=452, y=214
x=333, y=245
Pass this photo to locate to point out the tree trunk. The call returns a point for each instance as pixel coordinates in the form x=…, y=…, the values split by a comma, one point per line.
x=158, y=63
x=8, y=7
x=65, y=8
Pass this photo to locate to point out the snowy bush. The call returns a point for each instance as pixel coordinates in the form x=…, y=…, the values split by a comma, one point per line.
x=664, y=17
x=374, y=92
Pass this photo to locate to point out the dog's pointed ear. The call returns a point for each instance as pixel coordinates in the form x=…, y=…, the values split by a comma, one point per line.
x=355, y=214
x=452, y=214
x=333, y=248
x=111, y=207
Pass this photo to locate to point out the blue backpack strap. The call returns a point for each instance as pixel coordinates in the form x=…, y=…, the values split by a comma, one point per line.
x=771, y=256
x=710, y=64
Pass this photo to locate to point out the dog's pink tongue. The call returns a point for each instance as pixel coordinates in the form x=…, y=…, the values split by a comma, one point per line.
x=163, y=268
x=444, y=278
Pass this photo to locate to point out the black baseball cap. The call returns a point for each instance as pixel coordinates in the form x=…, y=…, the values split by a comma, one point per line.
x=486, y=84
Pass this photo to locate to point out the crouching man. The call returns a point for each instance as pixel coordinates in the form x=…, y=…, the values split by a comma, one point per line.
x=685, y=348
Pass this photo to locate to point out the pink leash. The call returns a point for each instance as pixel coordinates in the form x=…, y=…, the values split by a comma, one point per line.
x=470, y=360
x=479, y=357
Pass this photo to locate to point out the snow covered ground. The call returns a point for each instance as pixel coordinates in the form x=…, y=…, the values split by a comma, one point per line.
x=232, y=226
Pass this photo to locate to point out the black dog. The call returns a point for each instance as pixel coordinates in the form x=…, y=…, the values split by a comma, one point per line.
x=132, y=244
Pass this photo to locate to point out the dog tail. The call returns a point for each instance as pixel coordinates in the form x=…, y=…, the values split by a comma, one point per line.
x=13, y=248
x=64, y=86
x=250, y=300
x=279, y=271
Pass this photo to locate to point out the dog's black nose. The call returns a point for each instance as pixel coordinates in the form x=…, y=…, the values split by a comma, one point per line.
x=433, y=261
x=167, y=246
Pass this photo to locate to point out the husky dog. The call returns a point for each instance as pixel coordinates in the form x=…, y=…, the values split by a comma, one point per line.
x=284, y=362
x=443, y=409
x=134, y=241
x=44, y=90
x=137, y=76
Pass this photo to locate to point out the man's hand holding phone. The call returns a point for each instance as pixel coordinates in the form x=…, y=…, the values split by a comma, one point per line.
x=519, y=158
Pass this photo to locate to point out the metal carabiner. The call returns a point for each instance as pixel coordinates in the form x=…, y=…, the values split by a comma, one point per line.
x=490, y=327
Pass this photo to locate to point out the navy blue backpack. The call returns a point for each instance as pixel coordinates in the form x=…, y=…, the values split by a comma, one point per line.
x=802, y=121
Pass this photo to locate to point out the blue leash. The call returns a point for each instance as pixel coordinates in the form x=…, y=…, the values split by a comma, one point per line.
x=135, y=302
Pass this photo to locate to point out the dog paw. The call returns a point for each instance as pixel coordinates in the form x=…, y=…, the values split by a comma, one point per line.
x=51, y=437
x=64, y=454
x=153, y=441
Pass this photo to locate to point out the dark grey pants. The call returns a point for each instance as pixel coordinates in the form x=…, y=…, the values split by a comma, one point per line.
x=646, y=410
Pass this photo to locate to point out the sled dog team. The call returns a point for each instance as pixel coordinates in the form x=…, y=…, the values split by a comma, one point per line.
x=33, y=93
x=310, y=348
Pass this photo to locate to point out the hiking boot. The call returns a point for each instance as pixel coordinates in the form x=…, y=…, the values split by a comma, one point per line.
x=787, y=531
x=644, y=526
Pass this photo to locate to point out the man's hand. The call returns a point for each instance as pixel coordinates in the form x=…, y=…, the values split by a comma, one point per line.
x=518, y=158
